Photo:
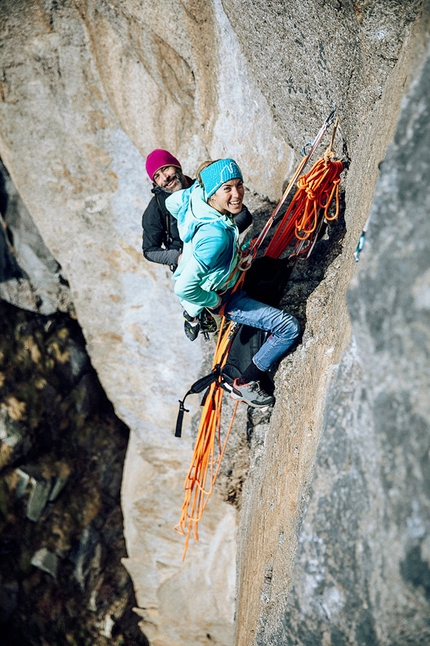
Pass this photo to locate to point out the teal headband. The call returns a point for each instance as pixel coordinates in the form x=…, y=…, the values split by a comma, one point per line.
x=217, y=174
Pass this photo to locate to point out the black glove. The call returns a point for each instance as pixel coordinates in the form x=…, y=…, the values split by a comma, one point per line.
x=207, y=323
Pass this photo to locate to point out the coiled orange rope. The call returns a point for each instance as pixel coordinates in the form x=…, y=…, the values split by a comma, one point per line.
x=309, y=206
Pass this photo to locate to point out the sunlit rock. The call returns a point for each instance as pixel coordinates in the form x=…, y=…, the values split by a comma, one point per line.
x=88, y=89
x=46, y=561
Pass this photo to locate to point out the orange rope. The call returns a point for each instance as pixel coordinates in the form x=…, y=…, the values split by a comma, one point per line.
x=310, y=204
x=209, y=447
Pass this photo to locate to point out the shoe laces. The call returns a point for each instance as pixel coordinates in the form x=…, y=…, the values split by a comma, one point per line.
x=256, y=387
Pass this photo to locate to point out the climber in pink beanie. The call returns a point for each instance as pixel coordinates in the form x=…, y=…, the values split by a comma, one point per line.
x=161, y=241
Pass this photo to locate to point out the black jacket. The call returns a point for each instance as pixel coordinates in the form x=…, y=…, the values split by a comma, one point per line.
x=161, y=242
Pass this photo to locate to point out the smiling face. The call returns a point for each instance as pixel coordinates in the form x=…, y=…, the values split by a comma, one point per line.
x=169, y=178
x=229, y=197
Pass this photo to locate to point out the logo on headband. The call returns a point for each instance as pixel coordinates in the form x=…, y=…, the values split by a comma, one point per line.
x=230, y=171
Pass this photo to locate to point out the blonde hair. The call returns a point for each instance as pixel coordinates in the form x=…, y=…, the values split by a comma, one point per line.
x=202, y=166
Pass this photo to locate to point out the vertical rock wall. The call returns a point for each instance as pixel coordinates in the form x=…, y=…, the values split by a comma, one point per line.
x=335, y=598
x=362, y=568
x=31, y=277
x=88, y=87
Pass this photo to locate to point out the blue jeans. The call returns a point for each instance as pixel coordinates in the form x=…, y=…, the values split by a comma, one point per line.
x=284, y=328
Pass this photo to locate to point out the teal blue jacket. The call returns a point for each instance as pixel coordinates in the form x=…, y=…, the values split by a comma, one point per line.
x=210, y=252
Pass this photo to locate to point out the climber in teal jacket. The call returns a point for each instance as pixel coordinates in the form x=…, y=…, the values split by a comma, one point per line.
x=207, y=271
x=210, y=251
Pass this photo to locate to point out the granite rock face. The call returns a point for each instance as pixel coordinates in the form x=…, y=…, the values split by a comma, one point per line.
x=277, y=489
x=88, y=88
x=362, y=569
x=30, y=277
x=317, y=54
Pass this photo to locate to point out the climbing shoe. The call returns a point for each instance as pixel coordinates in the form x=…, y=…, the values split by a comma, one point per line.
x=252, y=394
x=191, y=326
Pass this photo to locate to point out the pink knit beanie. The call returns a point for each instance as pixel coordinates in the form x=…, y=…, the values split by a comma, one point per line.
x=159, y=158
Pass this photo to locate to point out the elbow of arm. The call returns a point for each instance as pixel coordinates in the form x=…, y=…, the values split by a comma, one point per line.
x=182, y=291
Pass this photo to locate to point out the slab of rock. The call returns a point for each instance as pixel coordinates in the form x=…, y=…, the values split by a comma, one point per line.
x=46, y=561
x=90, y=89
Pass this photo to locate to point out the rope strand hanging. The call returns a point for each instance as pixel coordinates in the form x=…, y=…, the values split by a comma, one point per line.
x=208, y=452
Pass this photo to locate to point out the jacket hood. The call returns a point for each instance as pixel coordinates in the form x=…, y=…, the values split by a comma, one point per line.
x=191, y=211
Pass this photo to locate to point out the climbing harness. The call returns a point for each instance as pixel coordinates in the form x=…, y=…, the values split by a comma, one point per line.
x=303, y=219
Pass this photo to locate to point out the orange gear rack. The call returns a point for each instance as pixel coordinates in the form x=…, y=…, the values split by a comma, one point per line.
x=303, y=219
